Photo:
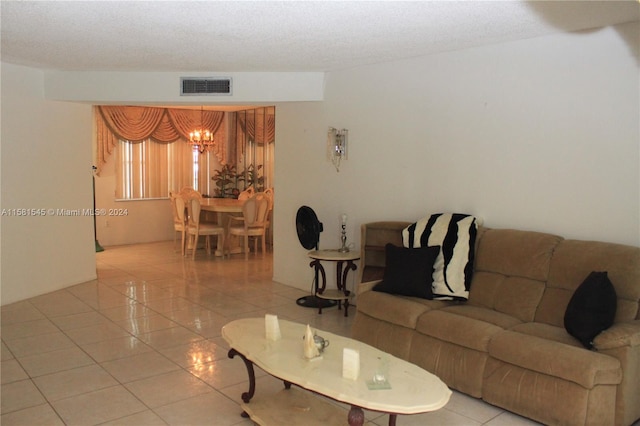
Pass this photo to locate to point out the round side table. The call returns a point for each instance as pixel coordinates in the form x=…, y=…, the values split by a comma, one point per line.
x=344, y=264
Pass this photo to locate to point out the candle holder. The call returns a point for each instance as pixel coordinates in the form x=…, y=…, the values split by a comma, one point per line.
x=343, y=238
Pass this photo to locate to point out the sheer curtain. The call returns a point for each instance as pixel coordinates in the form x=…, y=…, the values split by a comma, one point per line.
x=206, y=164
x=152, y=156
x=148, y=169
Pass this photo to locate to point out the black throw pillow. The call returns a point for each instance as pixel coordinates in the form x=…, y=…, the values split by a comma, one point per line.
x=408, y=271
x=592, y=308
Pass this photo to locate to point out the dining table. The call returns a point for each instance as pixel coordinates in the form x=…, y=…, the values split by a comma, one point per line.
x=223, y=207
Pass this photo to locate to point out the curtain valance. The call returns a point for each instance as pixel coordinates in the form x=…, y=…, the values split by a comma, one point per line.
x=259, y=127
x=162, y=125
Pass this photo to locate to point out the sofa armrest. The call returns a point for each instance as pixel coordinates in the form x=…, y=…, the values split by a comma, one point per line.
x=620, y=334
x=366, y=286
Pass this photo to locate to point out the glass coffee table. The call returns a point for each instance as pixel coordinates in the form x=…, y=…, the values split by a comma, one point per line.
x=410, y=390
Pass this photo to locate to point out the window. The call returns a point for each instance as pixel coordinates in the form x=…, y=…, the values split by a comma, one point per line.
x=151, y=169
x=148, y=169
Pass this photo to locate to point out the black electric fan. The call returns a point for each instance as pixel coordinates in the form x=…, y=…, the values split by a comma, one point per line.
x=309, y=228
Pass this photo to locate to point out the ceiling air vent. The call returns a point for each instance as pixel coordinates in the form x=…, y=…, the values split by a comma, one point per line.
x=199, y=86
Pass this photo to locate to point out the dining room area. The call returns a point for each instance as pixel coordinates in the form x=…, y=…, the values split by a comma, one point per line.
x=232, y=221
x=147, y=157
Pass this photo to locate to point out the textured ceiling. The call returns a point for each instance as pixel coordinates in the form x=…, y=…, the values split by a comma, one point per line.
x=221, y=36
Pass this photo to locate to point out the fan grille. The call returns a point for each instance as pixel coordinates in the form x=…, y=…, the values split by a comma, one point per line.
x=308, y=227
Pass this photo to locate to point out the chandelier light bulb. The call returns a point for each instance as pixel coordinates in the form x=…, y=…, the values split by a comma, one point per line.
x=201, y=139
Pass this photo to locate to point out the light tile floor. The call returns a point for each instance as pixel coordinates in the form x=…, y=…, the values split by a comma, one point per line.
x=141, y=345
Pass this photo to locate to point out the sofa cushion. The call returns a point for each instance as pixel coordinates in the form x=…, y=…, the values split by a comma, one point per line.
x=516, y=253
x=572, y=363
x=511, y=295
x=592, y=308
x=397, y=310
x=547, y=332
x=483, y=314
x=618, y=335
x=573, y=260
x=461, y=330
x=408, y=271
x=456, y=236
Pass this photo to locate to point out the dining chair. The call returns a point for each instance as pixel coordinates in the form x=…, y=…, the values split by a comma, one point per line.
x=269, y=194
x=254, y=215
x=246, y=194
x=188, y=192
x=179, y=224
x=196, y=228
x=243, y=196
x=181, y=213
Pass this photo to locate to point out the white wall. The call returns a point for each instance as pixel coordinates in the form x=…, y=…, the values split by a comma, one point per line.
x=164, y=87
x=143, y=220
x=46, y=164
x=540, y=134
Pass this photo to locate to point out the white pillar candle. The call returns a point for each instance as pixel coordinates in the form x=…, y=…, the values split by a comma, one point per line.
x=272, y=327
x=350, y=363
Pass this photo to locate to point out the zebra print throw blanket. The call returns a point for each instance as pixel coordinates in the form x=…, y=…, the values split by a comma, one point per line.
x=453, y=267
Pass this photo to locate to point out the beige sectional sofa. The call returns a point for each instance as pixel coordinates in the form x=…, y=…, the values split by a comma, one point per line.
x=507, y=344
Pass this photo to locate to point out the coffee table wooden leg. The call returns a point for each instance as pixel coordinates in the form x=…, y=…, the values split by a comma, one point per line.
x=356, y=416
x=392, y=420
x=246, y=396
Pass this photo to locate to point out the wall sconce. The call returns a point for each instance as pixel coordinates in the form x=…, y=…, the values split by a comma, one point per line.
x=337, y=146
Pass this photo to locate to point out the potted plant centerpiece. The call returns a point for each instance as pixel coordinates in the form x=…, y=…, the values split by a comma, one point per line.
x=251, y=177
x=226, y=181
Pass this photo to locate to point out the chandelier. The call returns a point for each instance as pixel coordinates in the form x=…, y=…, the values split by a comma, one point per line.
x=201, y=139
